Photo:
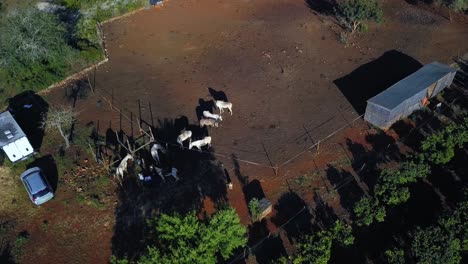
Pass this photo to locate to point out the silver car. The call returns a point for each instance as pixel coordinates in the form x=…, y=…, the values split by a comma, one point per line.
x=37, y=186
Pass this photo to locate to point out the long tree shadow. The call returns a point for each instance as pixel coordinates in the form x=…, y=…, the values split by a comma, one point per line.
x=290, y=205
x=29, y=109
x=364, y=162
x=384, y=146
x=266, y=248
x=199, y=175
x=251, y=189
x=347, y=187
x=323, y=215
x=451, y=179
x=374, y=77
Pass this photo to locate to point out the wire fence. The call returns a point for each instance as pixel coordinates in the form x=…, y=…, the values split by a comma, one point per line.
x=138, y=122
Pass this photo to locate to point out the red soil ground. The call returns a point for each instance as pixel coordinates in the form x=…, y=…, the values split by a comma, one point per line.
x=276, y=62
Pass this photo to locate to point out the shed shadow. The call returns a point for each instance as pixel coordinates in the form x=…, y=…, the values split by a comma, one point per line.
x=372, y=78
x=29, y=109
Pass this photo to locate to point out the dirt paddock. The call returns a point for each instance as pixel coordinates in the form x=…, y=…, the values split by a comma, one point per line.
x=276, y=62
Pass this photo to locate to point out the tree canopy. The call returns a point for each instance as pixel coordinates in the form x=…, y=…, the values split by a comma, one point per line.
x=439, y=147
x=33, y=50
x=353, y=14
x=317, y=248
x=186, y=239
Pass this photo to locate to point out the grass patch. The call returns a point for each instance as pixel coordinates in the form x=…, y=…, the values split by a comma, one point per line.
x=20, y=242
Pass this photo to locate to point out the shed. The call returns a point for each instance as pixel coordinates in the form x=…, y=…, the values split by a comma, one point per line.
x=408, y=95
x=13, y=141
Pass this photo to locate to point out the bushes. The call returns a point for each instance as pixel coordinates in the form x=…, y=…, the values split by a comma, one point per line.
x=368, y=210
x=353, y=14
x=391, y=190
x=34, y=51
x=317, y=248
x=254, y=208
x=439, y=147
x=459, y=5
x=185, y=239
x=456, y=5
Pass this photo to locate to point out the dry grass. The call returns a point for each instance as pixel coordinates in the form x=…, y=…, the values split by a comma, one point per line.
x=14, y=196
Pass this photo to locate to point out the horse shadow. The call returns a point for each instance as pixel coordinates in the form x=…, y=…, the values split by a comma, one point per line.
x=204, y=106
x=218, y=95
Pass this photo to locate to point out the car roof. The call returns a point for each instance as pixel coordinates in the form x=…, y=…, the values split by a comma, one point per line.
x=35, y=182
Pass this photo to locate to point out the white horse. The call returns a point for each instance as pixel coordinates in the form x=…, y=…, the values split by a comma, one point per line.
x=155, y=153
x=221, y=105
x=122, y=168
x=184, y=136
x=208, y=122
x=200, y=143
x=212, y=116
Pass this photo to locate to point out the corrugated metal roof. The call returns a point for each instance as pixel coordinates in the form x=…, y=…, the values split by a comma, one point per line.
x=10, y=131
x=411, y=85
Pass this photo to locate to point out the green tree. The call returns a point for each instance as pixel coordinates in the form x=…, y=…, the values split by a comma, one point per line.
x=60, y=119
x=254, y=208
x=353, y=14
x=439, y=147
x=317, y=248
x=391, y=189
x=459, y=5
x=456, y=222
x=395, y=256
x=33, y=51
x=435, y=245
x=413, y=169
x=185, y=239
x=368, y=210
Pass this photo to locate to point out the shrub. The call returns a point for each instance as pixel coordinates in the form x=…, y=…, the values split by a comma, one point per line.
x=436, y=245
x=254, y=208
x=184, y=239
x=368, y=210
x=317, y=248
x=353, y=14
x=34, y=51
x=395, y=256
x=439, y=147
